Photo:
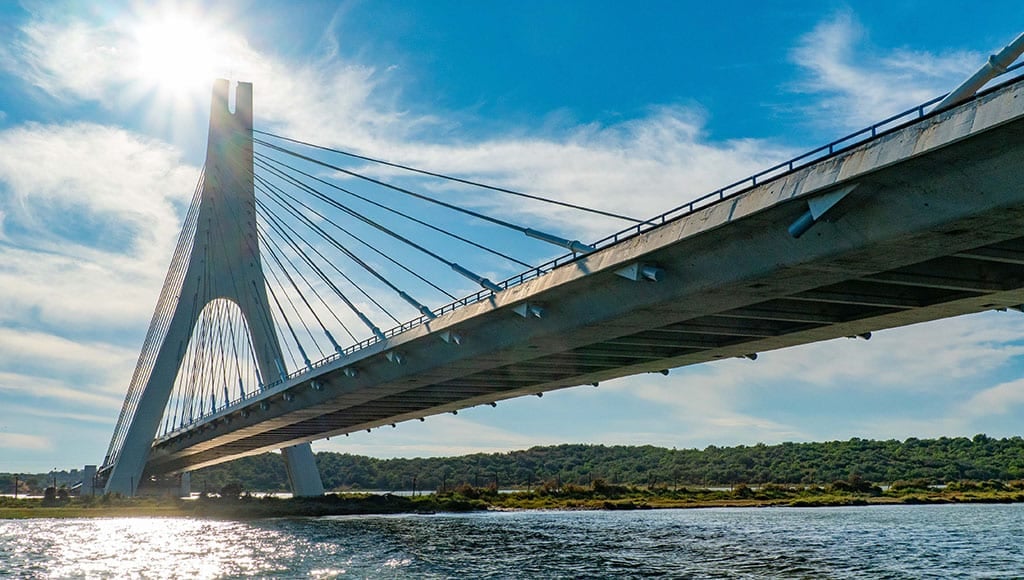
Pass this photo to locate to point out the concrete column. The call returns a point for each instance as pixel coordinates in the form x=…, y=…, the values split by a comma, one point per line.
x=305, y=481
x=88, y=481
x=185, y=484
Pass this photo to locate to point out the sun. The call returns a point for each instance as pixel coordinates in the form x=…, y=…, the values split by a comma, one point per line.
x=176, y=53
x=170, y=52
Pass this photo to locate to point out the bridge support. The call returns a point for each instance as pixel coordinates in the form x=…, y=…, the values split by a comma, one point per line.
x=302, y=473
x=224, y=263
x=185, y=484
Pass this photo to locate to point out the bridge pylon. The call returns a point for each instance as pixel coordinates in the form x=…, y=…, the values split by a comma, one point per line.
x=224, y=263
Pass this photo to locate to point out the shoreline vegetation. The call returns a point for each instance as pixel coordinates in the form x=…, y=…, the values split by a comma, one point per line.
x=597, y=496
x=940, y=461
x=574, y=476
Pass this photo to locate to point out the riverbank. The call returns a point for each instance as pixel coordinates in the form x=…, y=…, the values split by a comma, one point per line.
x=569, y=497
x=244, y=507
x=857, y=493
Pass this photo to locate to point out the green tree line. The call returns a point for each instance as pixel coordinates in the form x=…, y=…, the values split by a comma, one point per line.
x=942, y=460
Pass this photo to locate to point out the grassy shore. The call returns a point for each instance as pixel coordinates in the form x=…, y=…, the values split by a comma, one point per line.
x=601, y=496
x=89, y=507
x=596, y=497
x=245, y=507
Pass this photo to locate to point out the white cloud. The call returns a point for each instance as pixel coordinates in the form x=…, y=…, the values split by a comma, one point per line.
x=101, y=174
x=704, y=411
x=63, y=58
x=59, y=391
x=639, y=167
x=442, y=435
x=23, y=441
x=862, y=85
x=921, y=357
x=91, y=217
x=729, y=400
x=87, y=363
x=998, y=400
x=49, y=413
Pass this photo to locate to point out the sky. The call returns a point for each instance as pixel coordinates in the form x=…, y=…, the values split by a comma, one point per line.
x=632, y=108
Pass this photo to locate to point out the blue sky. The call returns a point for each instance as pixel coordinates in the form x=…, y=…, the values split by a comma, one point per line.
x=628, y=108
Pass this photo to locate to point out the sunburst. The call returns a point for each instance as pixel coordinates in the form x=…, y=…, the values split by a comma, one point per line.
x=176, y=53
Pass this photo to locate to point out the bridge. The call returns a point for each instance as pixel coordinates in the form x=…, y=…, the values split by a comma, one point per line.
x=916, y=218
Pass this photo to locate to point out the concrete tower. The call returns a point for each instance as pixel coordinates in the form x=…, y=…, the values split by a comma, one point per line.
x=224, y=263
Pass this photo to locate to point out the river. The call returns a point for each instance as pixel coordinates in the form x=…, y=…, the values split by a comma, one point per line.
x=941, y=541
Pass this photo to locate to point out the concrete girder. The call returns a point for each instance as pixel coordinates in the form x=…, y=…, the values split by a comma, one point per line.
x=945, y=185
x=995, y=253
x=956, y=274
x=869, y=293
x=725, y=326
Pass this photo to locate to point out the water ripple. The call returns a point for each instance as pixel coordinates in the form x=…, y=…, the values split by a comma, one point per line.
x=953, y=541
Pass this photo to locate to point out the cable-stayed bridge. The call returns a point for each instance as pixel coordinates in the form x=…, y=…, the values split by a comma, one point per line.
x=264, y=336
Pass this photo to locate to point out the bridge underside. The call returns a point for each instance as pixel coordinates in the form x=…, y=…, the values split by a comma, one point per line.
x=932, y=229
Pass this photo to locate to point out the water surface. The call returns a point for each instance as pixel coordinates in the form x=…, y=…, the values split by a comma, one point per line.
x=945, y=541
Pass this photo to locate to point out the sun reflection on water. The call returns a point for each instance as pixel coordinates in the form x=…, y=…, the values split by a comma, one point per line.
x=869, y=542
x=146, y=547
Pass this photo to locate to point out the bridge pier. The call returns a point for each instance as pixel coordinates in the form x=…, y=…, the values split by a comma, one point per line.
x=88, y=481
x=303, y=475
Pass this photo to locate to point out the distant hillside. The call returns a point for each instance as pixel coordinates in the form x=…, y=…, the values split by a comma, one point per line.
x=937, y=460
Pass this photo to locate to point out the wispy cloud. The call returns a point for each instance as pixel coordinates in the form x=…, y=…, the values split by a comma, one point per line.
x=134, y=182
x=23, y=441
x=920, y=357
x=67, y=60
x=861, y=84
x=57, y=391
x=998, y=400
x=90, y=217
x=703, y=411
x=442, y=435
x=639, y=167
x=126, y=194
x=26, y=411
x=85, y=362
x=950, y=360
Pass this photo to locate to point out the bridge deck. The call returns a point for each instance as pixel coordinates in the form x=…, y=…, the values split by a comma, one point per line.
x=932, y=229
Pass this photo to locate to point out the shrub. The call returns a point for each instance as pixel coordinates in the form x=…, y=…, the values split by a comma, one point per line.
x=742, y=491
x=919, y=484
x=854, y=484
